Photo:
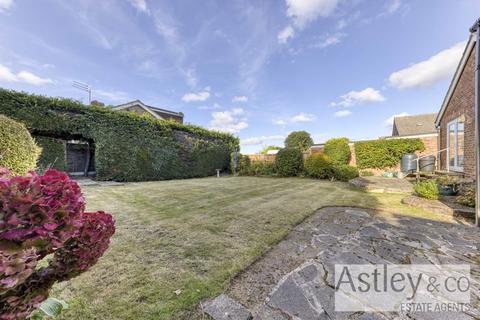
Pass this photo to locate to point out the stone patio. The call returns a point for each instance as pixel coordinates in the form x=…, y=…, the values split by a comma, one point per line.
x=382, y=184
x=294, y=280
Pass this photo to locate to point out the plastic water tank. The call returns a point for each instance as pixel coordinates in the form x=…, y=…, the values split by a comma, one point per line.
x=409, y=163
x=427, y=164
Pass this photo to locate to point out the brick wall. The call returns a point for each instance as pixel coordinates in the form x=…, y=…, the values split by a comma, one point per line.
x=462, y=103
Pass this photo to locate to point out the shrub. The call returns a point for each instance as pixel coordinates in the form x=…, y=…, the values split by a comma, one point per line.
x=18, y=151
x=299, y=140
x=338, y=151
x=289, y=162
x=427, y=189
x=366, y=173
x=243, y=164
x=319, y=166
x=52, y=155
x=44, y=215
x=128, y=147
x=260, y=169
x=467, y=196
x=381, y=154
x=345, y=173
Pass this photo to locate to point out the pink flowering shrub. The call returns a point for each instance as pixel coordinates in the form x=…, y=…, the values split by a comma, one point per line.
x=42, y=215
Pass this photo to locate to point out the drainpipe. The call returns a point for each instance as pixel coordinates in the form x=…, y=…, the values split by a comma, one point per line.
x=476, y=29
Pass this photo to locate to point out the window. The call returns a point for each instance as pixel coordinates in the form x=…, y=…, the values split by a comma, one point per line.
x=455, y=144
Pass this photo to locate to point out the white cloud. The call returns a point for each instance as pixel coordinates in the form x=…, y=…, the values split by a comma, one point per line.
x=240, y=99
x=305, y=11
x=393, y=6
x=214, y=107
x=198, y=96
x=330, y=40
x=302, y=12
x=140, y=5
x=389, y=122
x=436, y=68
x=303, y=117
x=285, y=34
x=255, y=141
x=115, y=96
x=359, y=97
x=342, y=113
x=5, y=5
x=228, y=121
x=23, y=76
x=279, y=122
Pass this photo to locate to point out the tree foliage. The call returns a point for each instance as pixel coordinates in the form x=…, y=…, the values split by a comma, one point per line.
x=299, y=140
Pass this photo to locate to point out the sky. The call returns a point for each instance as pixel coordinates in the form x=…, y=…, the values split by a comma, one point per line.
x=257, y=69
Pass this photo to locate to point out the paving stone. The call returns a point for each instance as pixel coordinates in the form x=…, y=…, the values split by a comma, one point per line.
x=297, y=294
x=267, y=313
x=225, y=308
x=356, y=236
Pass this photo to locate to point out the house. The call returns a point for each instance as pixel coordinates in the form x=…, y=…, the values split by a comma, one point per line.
x=139, y=107
x=456, y=119
x=420, y=126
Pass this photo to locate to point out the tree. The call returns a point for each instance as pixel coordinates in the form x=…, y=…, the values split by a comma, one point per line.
x=299, y=140
x=268, y=148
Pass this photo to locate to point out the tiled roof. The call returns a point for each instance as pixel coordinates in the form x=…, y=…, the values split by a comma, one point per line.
x=414, y=125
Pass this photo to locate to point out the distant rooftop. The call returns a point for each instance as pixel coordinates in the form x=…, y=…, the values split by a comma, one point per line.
x=414, y=125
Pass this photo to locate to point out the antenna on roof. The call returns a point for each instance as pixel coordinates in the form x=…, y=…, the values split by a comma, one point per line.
x=84, y=87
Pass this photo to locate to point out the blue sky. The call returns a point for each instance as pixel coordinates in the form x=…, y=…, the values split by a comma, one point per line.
x=258, y=69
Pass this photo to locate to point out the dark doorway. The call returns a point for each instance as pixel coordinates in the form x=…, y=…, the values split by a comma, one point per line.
x=80, y=158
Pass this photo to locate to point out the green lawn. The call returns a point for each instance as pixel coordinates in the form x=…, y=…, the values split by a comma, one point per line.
x=193, y=236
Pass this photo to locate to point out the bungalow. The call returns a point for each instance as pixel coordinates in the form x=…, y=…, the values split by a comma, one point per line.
x=139, y=107
x=456, y=119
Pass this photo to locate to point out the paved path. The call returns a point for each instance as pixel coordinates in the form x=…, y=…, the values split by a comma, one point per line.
x=383, y=184
x=295, y=279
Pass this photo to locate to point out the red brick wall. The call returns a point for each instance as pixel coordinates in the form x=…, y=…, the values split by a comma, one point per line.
x=461, y=103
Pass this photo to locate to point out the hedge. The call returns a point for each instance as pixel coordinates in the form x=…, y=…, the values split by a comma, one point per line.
x=18, y=150
x=319, y=166
x=381, y=154
x=289, y=162
x=53, y=154
x=128, y=147
x=338, y=151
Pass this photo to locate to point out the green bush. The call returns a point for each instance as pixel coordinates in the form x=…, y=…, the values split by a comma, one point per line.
x=243, y=164
x=319, y=166
x=338, y=151
x=289, y=162
x=366, y=173
x=467, y=195
x=427, y=189
x=299, y=140
x=261, y=169
x=128, y=147
x=381, y=154
x=18, y=150
x=345, y=172
x=53, y=154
